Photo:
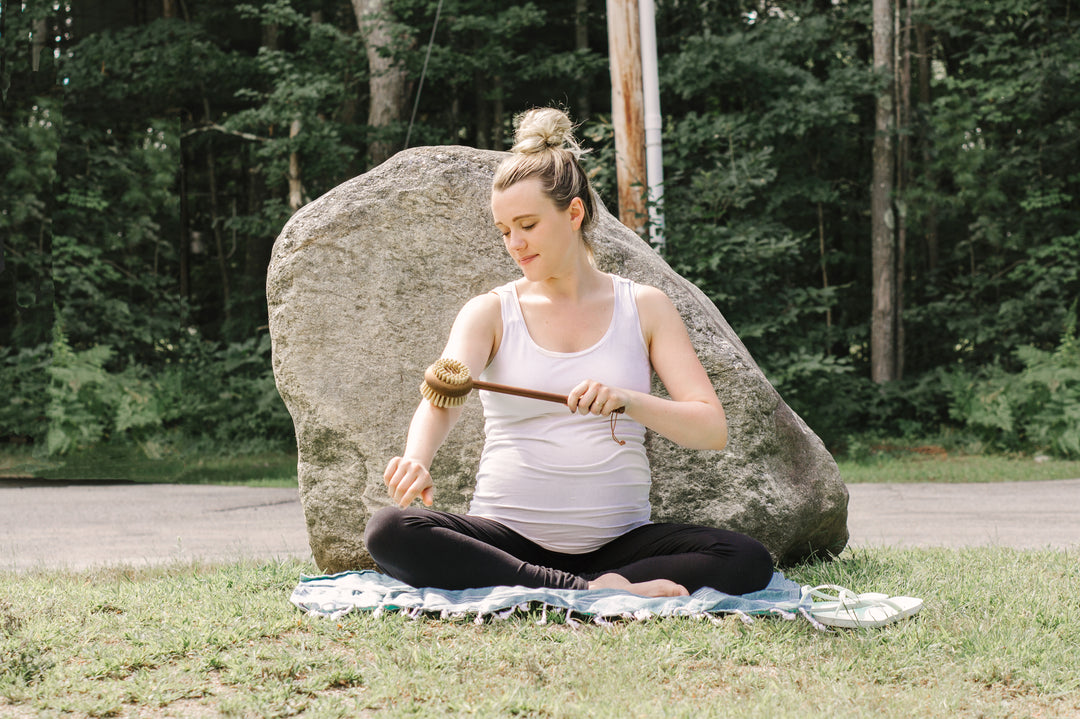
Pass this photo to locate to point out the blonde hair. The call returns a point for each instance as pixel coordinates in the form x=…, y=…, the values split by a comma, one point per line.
x=545, y=149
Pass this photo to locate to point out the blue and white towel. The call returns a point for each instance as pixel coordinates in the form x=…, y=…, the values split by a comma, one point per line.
x=335, y=595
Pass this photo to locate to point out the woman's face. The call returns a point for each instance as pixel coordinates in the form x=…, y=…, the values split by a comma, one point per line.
x=542, y=239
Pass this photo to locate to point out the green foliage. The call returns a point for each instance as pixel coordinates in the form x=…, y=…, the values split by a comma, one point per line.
x=221, y=397
x=1001, y=178
x=310, y=80
x=758, y=203
x=82, y=395
x=88, y=404
x=24, y=662
x=29, y=142
x=743, y=262
x=224, y=395
x=152, y=237
x=766, y=170
x=113, y=215
x=1034, y=409
x=144, y=70
x=23, y=375
x=491, y=60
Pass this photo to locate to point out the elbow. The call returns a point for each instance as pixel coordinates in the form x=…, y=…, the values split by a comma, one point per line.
x=709, y=441
x=718, y=439
x=720, y=434
x=713, y=438
x=712, y=431
x=721, y=440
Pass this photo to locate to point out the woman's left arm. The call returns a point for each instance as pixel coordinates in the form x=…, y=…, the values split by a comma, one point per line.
x=693, y=417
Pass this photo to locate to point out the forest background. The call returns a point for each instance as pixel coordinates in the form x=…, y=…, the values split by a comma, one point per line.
x=152, y=150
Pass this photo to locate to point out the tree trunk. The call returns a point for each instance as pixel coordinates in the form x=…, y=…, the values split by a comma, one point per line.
x=498, y=114
x=882, y=220
x=627, y=111
x=922, y=48
x=185, y=229
x=483, y=111
x=903, y=166
x=824, y=274
x=581, y=44
x=823, y=257
x=388, y=78
x=296, y=188
x=258, y=247
x=38, y=42
x=215, y=223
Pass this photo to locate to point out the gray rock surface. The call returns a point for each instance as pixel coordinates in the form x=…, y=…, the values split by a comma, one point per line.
x=362, y=288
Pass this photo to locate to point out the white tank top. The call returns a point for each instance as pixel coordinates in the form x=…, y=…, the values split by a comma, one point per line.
x=559, y=478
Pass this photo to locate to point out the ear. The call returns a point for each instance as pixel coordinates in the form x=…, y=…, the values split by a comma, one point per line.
x=577, y=212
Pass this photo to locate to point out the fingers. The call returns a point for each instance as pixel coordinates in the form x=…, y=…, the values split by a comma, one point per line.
x=406, y=480
x=592, y=397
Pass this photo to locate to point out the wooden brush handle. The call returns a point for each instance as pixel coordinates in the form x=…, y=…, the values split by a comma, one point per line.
x=447, y=382
x=519, y=391
x=530, y=393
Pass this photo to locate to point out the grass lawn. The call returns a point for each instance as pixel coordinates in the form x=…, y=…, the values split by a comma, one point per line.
x=902, y=463
x=933, y=464
x=131, y=463
x=999, y=636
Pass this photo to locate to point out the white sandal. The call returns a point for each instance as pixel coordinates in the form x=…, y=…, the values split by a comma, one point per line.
x=849, y=610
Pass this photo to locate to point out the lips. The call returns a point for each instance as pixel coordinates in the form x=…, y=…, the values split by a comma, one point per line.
x=527, y=259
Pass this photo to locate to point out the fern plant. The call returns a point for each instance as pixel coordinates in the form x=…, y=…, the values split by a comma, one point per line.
x=78, y=384
x=87, y=403
x=1035, y=409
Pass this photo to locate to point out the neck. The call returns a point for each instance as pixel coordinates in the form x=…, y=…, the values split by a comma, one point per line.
x=573, y=285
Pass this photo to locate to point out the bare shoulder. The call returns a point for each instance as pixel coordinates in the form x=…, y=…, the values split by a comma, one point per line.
x=651, y=296
x=482, y=315
x=654, y=307
x=477, y=332
x=485, y=306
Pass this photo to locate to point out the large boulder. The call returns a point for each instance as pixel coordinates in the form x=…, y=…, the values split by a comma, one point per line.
x=363, y=286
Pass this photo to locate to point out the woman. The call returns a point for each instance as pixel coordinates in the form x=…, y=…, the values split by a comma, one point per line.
x=558, y=503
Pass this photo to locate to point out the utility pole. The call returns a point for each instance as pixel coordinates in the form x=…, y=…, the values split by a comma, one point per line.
x=627, y=111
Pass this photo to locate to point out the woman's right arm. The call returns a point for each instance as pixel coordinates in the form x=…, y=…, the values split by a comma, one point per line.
x=473, y=340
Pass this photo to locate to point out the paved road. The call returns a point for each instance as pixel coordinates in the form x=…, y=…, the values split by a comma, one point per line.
x=82, y=525
x=1021, y=515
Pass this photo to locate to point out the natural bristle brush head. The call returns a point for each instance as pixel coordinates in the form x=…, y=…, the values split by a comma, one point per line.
x=446, y=383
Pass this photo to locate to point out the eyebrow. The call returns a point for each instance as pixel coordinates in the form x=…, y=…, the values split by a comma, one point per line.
x=520, y=217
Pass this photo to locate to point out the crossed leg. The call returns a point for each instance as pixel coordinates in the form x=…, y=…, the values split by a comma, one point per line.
x=428, y=548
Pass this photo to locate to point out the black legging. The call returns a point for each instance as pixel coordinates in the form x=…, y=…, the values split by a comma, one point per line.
x=428, y=548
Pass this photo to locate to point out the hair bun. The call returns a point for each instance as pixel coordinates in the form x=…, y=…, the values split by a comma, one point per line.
x=542, y=129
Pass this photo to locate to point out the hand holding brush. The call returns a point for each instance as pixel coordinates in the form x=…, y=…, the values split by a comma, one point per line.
x=447, y=384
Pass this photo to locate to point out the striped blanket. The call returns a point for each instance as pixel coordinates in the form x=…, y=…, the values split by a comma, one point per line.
x=335, y=595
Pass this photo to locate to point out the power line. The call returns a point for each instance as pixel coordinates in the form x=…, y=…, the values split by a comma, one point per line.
x=423, y=72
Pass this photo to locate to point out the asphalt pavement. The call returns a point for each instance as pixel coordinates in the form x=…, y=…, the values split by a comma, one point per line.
x=80, y=525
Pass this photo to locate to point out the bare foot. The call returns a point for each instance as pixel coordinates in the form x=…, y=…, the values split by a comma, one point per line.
x=652, y=588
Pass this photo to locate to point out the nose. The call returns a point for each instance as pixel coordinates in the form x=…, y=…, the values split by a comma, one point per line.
x=514, y=240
